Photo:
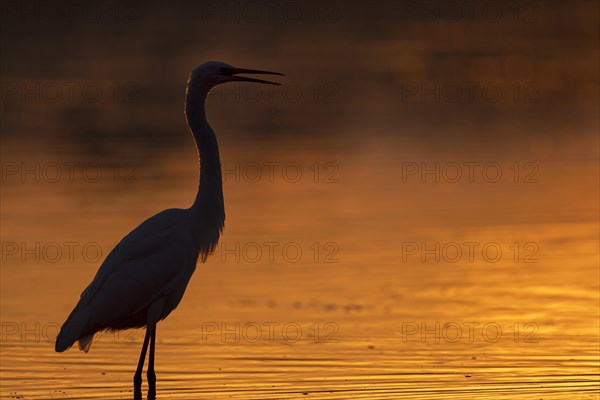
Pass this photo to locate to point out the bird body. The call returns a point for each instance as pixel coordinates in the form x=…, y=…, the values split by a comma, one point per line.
x=143, y=279
x=147, y=271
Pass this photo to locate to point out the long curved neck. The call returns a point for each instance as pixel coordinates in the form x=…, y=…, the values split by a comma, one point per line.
x=208, y=206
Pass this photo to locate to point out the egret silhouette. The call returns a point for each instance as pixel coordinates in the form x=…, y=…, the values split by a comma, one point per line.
x=144, y=277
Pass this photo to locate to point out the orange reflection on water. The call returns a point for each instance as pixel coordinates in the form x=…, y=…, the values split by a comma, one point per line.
x=375, y=281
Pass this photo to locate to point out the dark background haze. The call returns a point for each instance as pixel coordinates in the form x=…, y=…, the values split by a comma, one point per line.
x=450, y=73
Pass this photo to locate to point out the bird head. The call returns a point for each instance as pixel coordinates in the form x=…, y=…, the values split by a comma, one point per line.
x=212, y=73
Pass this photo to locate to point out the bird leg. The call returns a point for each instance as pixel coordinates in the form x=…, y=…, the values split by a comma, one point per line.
x=151, y=375
x=137, y=378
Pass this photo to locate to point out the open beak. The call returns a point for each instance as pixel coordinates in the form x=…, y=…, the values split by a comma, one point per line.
x=236, y=71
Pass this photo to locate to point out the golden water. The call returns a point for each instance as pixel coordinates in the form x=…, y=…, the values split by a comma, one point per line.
x=360, y=313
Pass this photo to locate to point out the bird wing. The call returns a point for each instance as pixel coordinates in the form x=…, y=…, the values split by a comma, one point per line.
x=133, y=246
x=147, y=264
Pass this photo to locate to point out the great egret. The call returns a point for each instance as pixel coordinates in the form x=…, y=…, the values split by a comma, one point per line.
x=144, y=277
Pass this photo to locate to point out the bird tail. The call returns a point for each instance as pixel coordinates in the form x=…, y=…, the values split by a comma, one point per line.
x=72, y=330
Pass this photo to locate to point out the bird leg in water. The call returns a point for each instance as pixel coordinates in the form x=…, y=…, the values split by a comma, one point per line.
x=137, y=378
x=151, y=375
